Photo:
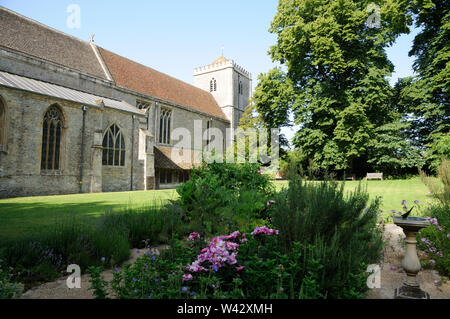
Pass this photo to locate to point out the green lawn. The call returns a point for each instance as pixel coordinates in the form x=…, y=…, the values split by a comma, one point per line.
x=392, y=192
x=26, y=215
x=23, y=216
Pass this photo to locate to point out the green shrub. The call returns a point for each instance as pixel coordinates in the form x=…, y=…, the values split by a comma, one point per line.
x=339, y=230
x=8, y=288
x=219, y=196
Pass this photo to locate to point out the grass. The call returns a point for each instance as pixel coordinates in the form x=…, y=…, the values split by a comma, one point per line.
x=392, y=192
x=21, y=217
x=25, y=216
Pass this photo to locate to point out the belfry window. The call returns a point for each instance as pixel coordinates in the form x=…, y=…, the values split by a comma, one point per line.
x=240, y=88
x=213, y=85
x=113, y=147
x=165, y=118
x=52, y=130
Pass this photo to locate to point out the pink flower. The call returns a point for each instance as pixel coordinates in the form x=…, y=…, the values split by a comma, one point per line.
x=264, y=230
x=239, y=268
x=187, y=277
x=259, y=172
x=220, y=252
x=194, y=236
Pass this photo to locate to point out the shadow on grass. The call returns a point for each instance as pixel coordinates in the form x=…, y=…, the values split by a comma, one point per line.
x=18, y=220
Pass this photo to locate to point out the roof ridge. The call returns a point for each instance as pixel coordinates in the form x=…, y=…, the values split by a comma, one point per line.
x=146, y=66
x=42, y=25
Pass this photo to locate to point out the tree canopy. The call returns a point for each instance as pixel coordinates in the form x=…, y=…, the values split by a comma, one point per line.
x=334, y=81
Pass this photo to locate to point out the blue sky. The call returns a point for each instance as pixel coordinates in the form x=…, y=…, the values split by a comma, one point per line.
x=175, y=36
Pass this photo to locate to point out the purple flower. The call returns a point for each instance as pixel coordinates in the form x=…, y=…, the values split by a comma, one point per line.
x=192, y=293
x=150, y=296
x=437, y=281
x=448, y=235
x=137, y=251
x=214, y=267
x=135, y=291
x=153, y=257
x=103, y=259
x=156, y=280
x=116, y=269
x=184, y=289
x=416, y=202
x=134, y=279
x=403, y=202
x=432, y=261
x=393, y=268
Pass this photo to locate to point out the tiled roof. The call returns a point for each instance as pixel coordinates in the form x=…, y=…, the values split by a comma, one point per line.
x=35, y=39
x=21, y=34
x=48, y=89
x=140, y=78
x=164, y=159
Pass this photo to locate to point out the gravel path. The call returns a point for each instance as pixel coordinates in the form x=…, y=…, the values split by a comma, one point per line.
x=392, y=256
x=59, y=290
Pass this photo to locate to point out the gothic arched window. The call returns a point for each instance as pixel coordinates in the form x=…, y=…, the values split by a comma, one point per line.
x=164, y=126
x=2, y=124
x=113, y=147
x=212, y=85
x=52, y=131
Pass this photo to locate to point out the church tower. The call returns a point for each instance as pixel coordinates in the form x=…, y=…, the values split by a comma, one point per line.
x=229, y=83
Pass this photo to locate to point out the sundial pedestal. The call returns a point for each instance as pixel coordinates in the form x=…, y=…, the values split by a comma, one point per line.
x=411, y=263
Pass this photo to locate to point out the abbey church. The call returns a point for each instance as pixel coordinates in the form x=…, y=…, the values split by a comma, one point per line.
x=77, y=118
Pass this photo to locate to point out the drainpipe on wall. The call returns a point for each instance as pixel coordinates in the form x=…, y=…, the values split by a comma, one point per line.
x=132, y=150
x=83, y=128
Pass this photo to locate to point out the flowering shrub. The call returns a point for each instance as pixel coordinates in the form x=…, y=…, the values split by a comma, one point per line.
x=435, y=240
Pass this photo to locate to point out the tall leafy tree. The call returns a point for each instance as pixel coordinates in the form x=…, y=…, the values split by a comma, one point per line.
x=425, y=97
x=337, y=68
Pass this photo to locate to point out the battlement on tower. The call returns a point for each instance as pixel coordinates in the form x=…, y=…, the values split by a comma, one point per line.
x=222, y=63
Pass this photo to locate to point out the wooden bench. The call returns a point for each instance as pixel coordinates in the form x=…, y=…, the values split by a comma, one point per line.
x=374, y=176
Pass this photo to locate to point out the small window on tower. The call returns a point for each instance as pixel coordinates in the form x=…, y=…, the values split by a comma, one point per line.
x=240, y=88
